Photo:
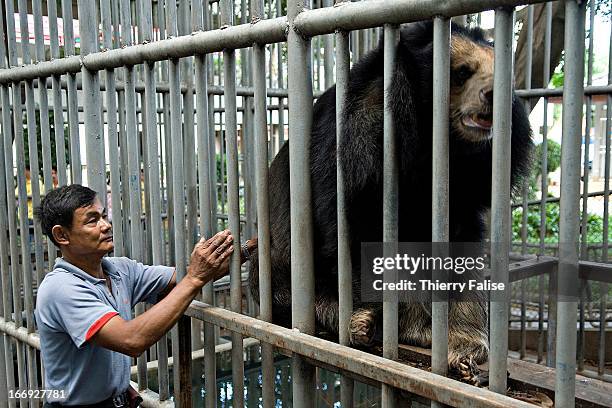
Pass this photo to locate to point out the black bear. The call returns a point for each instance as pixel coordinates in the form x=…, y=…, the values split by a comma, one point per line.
x=361, y=155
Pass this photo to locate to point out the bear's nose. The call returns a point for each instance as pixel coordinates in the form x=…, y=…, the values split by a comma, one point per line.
x=486, y=96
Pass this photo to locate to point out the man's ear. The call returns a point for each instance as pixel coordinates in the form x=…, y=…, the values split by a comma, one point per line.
x=60, y=235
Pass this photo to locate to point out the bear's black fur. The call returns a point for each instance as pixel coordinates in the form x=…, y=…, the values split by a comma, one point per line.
x=361, y=154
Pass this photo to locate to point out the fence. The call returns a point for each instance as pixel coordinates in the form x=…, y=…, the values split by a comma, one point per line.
x=156, y=87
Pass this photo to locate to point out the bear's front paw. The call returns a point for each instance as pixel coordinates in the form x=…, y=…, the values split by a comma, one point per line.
x=362, y=327
x=467, y=350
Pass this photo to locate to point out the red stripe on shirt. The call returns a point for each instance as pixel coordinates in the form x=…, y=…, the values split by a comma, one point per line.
x=98, y=324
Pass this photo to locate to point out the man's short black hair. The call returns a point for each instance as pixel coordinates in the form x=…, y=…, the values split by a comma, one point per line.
x=58, y=206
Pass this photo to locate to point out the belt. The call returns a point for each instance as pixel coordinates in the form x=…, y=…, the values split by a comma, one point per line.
x=117, y=401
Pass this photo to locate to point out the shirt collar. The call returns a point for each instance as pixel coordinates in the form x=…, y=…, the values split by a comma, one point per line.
x=107, y=267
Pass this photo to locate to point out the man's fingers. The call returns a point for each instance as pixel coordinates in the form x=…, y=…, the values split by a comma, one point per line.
x=216, y=240
x=228, y=242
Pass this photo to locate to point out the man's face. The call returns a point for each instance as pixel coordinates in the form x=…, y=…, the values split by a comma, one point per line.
x=91, y=233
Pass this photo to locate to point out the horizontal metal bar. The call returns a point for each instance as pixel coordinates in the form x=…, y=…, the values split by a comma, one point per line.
x=197, y=354
x=520, y=270
x=203, y=42
x=556, y=199
x=595, y=271
x=150, y=399
x=349, y=16
x=386, y=371
x=20, y=333
x=535, y=266
x=540, y=92
x=345, y=16
x=164, y=87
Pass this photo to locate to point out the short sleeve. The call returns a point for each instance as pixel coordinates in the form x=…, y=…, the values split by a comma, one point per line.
x=74, y=308
x=148, y=281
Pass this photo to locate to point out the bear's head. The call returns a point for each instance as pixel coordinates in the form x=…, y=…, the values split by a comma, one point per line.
x=471, y=88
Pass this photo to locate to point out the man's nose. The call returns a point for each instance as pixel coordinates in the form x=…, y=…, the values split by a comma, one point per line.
x=486, y=96
x=106, y=225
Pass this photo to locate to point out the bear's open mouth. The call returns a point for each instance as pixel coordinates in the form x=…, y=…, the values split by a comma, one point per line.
x=482, y=121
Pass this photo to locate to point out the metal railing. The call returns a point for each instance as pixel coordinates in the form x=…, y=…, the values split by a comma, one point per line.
x=170, y=102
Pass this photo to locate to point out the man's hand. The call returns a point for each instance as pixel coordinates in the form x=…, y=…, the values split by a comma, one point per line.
x=208, y=259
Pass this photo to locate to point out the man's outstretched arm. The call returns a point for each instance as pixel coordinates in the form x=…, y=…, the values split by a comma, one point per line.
x=209, y=261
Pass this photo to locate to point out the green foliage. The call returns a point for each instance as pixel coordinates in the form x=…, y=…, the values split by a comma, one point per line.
x=594, y=225
x=553, y=161
x=553, y=157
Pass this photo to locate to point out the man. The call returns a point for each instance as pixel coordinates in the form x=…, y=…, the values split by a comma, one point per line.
x=83, y=306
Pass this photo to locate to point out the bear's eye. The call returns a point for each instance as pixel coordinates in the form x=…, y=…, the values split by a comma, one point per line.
x=462, y=74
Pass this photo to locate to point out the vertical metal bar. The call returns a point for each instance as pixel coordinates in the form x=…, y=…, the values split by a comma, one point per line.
x=181, y=334
x=7, y=194
x=10, y=192
x=58, y=115
x=584, y=245
x=573, y=92
x=440, y=177
x=551, y=324
x=189, y=159
x=525, y=187
x=94, y=137
x=345, y=291
x=500, y=203
x=263, y=210
x=233, y=204
x=328, y=56
x=44, y=132
x=73, y=112
x=113, y=138
x=133, y=175
x=281, y=84
x=601, y=363
x=6, y=354
x=24, y=216
x=152, y=171
x=199, y=16
x=390, y=204
x=302, y=255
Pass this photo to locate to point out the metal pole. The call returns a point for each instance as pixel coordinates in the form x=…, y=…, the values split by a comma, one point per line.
x=199, y=17
x=133, y=174
x=500, y=200
x=525, y=186
x=302, y=252
x=181, y=336
x=601, y=365
x=345, y=275
x=584, y=284
x=233, y=204
x=113, y=139
x=390, y=206
x=552, y=303
x=58, y=116
x=73, y=114
x=570, y=204
x=440, y=178
x=154, y=193
x=44, y=132
x=7, y=194
x=94, y=137
x=263, y=210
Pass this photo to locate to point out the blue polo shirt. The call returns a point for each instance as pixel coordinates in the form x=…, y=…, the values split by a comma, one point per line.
x=71, y=306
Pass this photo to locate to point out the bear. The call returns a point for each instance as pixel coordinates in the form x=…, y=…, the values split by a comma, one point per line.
x=361, y=156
